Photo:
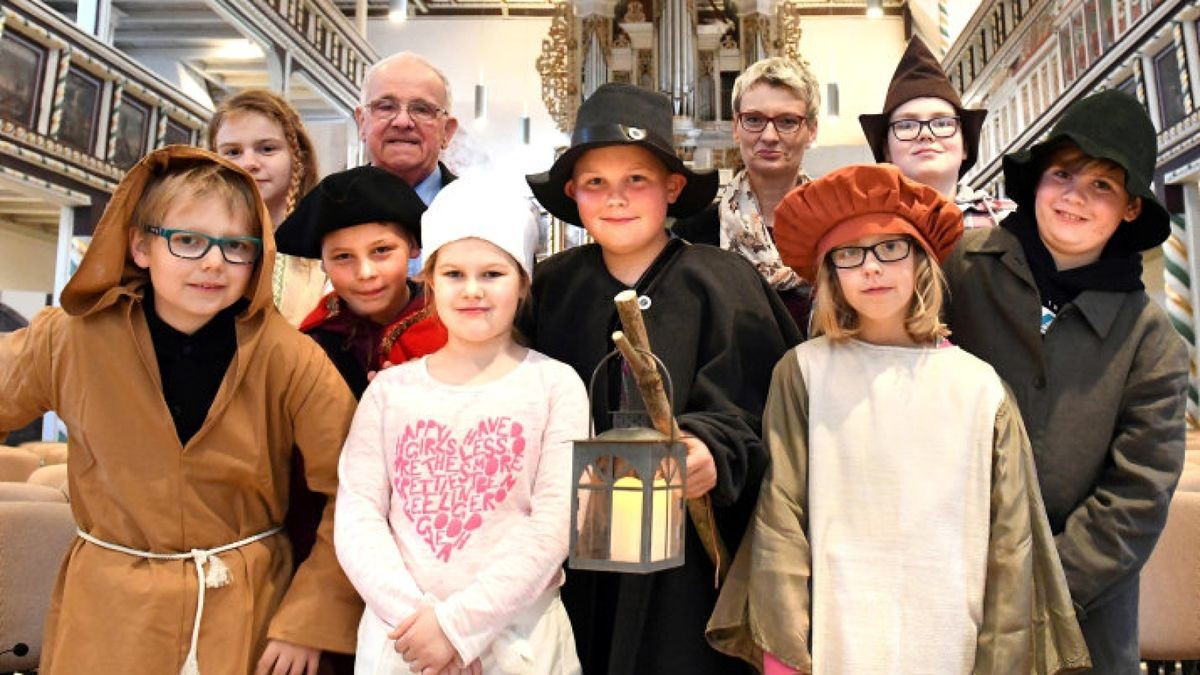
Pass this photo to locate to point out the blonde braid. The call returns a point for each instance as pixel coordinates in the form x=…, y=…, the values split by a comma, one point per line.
x=293, y=193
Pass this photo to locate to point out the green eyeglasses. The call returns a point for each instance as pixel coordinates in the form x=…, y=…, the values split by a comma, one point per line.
x=195, y=245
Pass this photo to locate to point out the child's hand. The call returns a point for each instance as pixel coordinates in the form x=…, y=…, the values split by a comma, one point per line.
x=286, y=658
x=701, y=469
x=382, y=367
x=422, y=644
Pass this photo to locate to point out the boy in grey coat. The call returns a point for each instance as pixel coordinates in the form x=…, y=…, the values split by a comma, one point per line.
x=1053, y=300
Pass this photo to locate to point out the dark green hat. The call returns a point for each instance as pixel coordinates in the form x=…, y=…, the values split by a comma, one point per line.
x=366, y=194
x=1110, y=125
x=622, y=114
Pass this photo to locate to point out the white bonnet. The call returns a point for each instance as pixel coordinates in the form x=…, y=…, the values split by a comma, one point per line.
x=485, y=206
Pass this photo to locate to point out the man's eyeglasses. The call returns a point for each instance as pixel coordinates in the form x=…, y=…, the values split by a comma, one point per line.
x=941, y=127
x=784, y=124
x=194, y=245
x=387, y=109
x=888, y=250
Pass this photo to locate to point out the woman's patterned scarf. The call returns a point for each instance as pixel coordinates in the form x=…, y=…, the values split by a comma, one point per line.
x=744, y=232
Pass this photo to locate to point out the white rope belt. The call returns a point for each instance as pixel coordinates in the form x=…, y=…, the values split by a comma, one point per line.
x=217, y=576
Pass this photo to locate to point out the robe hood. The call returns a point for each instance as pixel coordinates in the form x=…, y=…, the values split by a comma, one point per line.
x=108, y=272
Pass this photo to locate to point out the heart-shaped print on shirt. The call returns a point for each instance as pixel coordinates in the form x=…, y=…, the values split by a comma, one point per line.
x=447, y=483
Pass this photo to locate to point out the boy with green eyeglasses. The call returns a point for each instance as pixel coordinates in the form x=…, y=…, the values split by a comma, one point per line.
x=184, y=392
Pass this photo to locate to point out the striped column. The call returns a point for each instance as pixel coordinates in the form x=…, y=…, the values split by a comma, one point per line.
x=60, y=91
x=1179, y=306
x=160, y=129
x=943, y=27
x=114, y=118
x=1181, y=58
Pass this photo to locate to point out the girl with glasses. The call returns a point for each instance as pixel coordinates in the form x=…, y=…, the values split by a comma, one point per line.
x=900, y=528
x=927, y=133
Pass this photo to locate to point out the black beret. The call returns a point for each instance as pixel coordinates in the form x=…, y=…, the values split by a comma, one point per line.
x=366, y=194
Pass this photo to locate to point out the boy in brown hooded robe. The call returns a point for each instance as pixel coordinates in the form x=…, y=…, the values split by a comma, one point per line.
x=184, y=392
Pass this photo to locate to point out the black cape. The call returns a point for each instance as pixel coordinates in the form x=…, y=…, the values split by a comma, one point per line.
x=720, y=331
x=705, y=228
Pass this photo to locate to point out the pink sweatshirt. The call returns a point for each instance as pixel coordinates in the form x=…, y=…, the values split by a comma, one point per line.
x=460, y=495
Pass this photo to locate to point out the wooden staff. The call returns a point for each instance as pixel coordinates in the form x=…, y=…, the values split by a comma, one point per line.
x=635, y=347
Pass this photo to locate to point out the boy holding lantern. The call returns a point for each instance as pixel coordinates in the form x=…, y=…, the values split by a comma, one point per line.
x=712, y=320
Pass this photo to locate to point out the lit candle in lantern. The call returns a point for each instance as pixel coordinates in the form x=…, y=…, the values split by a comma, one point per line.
x=627, y=520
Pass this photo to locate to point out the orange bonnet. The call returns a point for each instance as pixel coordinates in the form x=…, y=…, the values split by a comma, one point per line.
x=858, y=201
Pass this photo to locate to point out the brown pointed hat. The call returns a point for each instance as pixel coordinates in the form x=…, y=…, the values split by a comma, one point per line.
x=920, y=75
x=857, y=201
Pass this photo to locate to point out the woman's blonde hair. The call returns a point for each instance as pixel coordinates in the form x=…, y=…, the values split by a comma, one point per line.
x=274, y=107
x=834, y=317
x=780, y=71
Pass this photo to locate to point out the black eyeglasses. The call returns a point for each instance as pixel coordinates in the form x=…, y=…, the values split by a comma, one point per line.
x=194, y=245
x=886, y=251
x=387, y=109
x=941, y=127
x=784, y=124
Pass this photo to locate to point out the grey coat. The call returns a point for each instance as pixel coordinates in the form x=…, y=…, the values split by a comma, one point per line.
x=1102, y=395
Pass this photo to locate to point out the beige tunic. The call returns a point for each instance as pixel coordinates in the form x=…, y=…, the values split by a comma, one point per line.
x=132, y=484
x=999, y=596
x=297, y=284
x=900, y=446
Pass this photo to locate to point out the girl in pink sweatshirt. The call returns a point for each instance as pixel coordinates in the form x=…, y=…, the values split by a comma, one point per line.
x=453, y=507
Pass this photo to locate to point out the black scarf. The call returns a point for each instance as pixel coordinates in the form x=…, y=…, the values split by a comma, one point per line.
x=1119, y=268
x=192, y=367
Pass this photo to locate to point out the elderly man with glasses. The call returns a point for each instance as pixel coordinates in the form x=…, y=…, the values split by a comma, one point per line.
x=775, y=103
x=404, y=120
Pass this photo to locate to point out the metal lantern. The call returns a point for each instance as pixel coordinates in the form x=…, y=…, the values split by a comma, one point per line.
x=627, y=509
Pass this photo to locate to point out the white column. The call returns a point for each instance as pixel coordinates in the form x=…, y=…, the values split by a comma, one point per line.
x=360, y=17
x=1193, y=60
x=94, y=16
x=1150, y=82
x=1191, y=219
x=354, y=146
x=62, y=258
x=62, y=274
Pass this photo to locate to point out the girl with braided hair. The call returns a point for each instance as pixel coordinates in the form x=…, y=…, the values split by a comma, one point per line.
x=261, y=132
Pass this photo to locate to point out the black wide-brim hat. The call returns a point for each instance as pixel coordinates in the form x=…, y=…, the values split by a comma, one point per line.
x=622, y=114
x=366, y=194
x=919, y=75
x=1110, y=125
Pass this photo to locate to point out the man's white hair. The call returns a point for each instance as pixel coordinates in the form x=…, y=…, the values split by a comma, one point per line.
x=405, y=56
